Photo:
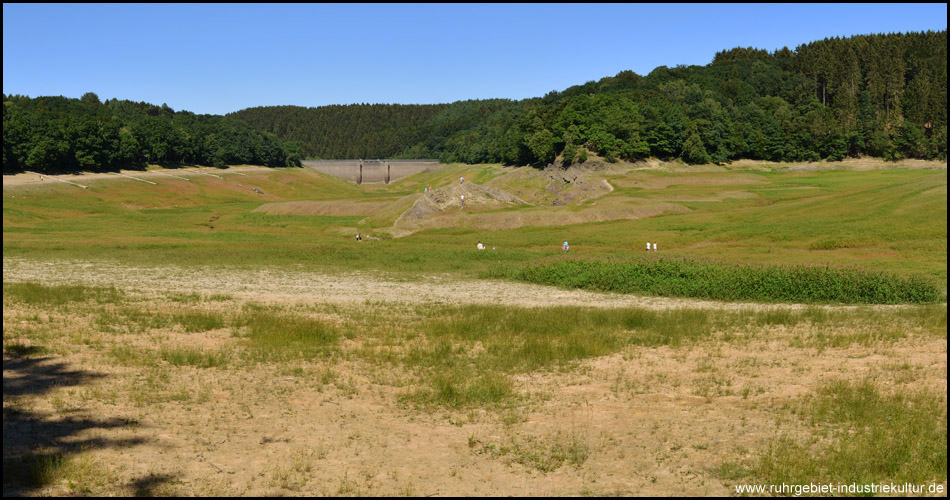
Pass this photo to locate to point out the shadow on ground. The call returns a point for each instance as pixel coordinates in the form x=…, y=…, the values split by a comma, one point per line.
x=37, y=446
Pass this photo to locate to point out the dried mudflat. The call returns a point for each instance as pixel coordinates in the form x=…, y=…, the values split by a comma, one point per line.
x=644, y=421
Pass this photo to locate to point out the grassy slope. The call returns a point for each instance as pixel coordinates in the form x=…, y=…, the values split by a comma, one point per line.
x=891, y=220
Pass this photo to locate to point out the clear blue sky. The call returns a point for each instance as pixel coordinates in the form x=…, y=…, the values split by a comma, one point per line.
x=219, y=58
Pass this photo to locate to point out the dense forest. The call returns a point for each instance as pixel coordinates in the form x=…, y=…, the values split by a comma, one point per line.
x=876, y=95
x=59, y=134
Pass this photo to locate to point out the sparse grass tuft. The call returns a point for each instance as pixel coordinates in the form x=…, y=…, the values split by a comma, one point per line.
x=55, y=295
x=277, y=335
x=462, y=389
x=872, y=438
x=194, y=357
x=543, y=454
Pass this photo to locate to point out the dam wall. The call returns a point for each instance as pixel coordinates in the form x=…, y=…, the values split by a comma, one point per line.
x=371, y=171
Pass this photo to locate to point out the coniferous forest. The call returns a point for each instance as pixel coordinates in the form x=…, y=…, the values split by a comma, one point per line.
x=872, y=95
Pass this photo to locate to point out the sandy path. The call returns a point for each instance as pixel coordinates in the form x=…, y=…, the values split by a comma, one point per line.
x=277, y=285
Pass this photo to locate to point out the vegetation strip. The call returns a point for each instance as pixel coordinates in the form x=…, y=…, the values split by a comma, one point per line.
x=689, y=278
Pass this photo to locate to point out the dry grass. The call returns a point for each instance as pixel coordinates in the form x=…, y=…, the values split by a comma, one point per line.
x=154, y=406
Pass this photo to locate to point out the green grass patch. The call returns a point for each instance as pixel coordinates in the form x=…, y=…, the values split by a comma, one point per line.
x=133, y=356
x=467, y=354
x=731, y=282
x=275, y=335
x=135, y=319
x=194, y=357
x=198, y=320
x=80, y=474
x=864, y=437
x=55, y=295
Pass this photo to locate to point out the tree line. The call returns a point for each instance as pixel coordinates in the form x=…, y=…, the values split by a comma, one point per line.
x=59, y=134
x=879, y=95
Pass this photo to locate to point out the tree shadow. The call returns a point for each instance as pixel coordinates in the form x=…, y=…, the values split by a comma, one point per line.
x=38, y=446
x=150, y=485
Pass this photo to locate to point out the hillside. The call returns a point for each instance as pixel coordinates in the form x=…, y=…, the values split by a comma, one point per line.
x=875, y=95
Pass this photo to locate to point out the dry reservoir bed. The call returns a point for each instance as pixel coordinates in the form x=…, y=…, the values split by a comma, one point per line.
x=162, y=386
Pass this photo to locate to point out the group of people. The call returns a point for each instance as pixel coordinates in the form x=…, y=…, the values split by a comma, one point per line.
x=480, y=246
x=567, y=248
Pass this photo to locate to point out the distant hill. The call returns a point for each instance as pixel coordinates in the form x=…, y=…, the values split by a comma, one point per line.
x=878, y=95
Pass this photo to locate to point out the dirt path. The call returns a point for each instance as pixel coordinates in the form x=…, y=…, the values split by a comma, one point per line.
x=275, y=285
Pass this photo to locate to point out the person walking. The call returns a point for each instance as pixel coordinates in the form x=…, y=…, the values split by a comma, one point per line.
x=654, y=246
x=566, y=246
x=648, y=246
x=463, y=201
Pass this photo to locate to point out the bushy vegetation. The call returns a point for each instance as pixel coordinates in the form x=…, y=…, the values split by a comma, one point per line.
x=877, y=95
x=690, y=278
x=61, y=135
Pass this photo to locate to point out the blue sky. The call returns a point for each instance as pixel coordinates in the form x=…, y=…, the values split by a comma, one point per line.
x=219, y=58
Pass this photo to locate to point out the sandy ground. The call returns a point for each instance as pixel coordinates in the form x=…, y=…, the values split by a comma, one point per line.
x=23, y=179
x=653, y=421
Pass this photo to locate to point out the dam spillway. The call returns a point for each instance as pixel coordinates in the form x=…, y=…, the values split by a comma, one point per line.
x=371, y=171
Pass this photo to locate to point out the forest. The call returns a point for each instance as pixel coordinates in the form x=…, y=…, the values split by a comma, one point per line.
x=871, y=95
x=881, y=95
x=60, y=135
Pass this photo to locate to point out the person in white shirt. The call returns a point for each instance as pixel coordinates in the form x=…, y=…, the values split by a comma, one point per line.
x=480, y=246
x=654, y=246
x=648, y=246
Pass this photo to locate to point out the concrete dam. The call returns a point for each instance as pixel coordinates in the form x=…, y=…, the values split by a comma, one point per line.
x=371, y=171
